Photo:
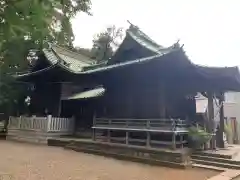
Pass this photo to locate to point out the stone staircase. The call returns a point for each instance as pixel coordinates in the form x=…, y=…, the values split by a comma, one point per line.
x=216, y=160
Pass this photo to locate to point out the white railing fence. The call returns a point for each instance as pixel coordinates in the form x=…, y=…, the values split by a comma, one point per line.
x=46, y=124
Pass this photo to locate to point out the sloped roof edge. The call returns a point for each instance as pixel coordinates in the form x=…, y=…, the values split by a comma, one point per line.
x=53, y=59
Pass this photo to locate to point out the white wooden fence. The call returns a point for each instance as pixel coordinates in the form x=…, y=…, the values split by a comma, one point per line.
x=45, y=124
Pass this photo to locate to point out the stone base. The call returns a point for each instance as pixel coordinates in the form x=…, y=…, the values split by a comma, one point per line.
x=31, y=136
x=180, y=159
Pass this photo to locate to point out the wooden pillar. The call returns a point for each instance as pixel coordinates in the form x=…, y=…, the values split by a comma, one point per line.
x=127, y=137
x=221, y=129
x=148, y=134
x=210, y=111
x=93, y=134
x=59, y=108
x=108, y=135
x=211, y=125
x=173, y=141
x=148, y=139
x=181, y=140
x=162, y=99
x=93, y=129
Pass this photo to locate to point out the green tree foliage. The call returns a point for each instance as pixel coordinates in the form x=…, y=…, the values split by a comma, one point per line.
x=31, y=24
x=39, y=20
x=105, y=43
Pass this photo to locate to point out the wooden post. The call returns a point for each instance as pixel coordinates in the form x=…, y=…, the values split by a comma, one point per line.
x=60, y=102
x=9, y=123
x=148, y=134
x=94, y=119
x=19, y=122
x=93, y=135
x=221, y=101
x=127, y=137
x=173, y=135
x=181, y=140
x=93, y=129
x=173, y=141
x=148, y=139
x=211, y=120
x=108, y=135
x=59, y=108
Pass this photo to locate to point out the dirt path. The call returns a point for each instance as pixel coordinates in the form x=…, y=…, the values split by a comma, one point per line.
x=32, y=162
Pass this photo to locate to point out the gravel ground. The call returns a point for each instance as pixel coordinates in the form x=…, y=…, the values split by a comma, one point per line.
x=32, y=162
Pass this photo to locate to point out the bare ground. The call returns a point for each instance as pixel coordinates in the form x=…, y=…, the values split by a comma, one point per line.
x=32, y=162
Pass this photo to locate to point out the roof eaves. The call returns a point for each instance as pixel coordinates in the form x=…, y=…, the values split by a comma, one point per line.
x=127, y=63
x=52, y=57
x=60, y=63
x=33, y=73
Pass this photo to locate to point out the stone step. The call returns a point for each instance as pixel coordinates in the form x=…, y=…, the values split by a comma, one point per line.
x=215, y=159
x=220, y=169
x=216, y=164
x=28, y=139
x=125, y=157
x=225, y=156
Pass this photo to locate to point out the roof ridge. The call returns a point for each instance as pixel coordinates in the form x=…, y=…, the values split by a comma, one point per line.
x=135, y=28
x=144, y=40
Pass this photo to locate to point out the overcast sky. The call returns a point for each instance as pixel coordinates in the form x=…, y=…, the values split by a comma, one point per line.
x=209, y=29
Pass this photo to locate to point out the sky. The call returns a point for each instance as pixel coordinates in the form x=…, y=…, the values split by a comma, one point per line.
x=209, y=29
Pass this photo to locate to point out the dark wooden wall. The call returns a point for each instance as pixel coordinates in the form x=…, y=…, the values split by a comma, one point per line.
x=45, y=99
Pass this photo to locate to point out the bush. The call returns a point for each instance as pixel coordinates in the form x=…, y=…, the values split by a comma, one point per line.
x=198, y=137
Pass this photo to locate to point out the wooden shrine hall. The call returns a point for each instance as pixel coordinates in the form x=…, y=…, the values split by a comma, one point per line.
x=138, y=97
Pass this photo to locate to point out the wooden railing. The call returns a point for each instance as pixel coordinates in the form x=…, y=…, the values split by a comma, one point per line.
x=141, y=124
x=47, y=124
x=175, y=129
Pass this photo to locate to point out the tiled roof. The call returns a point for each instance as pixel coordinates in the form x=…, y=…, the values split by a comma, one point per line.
x=79, y=64
x=74, y=61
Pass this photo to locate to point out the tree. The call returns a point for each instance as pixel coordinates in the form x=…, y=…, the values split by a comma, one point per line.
x=31, y=24
x=41, y=20
x=106, y=42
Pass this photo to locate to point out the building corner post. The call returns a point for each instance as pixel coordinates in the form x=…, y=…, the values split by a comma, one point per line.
x=222, y=124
